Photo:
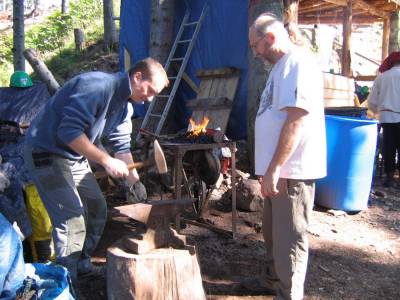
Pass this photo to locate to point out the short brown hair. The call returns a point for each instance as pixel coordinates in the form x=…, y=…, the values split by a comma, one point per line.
x=148, y=67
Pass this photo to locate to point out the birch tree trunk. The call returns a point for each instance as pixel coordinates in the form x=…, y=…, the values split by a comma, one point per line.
x=258, y=72
x=110, y=33
x=18, y=35
x=161, y=29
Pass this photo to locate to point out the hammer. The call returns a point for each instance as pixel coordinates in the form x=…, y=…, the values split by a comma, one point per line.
x=159, y=160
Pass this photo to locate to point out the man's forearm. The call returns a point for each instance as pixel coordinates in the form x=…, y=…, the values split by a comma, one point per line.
x=84, y=147
x=125, y=157
x=289, y=139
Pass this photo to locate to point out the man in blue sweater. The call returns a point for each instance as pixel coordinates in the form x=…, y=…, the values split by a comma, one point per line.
x=89, y=108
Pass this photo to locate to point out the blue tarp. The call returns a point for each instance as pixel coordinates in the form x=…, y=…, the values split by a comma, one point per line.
x=222, y=42
x=21, y=105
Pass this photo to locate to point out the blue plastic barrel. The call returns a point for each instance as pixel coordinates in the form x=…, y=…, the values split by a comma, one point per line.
x=351, y=146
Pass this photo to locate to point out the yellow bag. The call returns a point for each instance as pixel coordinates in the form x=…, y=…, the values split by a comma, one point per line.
x=41, y=238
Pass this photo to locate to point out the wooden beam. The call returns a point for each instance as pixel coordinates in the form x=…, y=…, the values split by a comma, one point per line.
x=337, y=20
x=365, y=78
x=347, y=25
x=370, y=8
x=190, y=82
x=385, y=38
x=337, y=2
x=316, y=8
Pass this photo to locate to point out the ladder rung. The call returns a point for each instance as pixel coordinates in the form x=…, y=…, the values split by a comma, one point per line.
x=172, y=77
x=177, y=59
x=155, y=115
x=191, y=23
x=163, y=96
x=184, y=41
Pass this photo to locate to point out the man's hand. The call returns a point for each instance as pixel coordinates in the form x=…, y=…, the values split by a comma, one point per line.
x=116, y=168
x=269, y=182
x=132, y=178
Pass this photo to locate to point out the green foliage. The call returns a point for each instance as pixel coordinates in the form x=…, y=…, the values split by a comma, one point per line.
x=84, y=12
x=49, y=35
x=55, y=34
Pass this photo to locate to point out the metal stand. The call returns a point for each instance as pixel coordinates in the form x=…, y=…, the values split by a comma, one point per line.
x=179, y=150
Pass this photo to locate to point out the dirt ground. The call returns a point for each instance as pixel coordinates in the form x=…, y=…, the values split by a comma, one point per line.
x=352, y=256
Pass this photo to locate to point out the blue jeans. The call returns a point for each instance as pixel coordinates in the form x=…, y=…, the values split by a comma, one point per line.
x=75, y=204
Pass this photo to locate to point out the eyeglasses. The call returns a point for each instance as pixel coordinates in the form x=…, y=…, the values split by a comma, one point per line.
x=255, y=45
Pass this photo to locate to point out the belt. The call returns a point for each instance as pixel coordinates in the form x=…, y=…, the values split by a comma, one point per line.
x=40, y=155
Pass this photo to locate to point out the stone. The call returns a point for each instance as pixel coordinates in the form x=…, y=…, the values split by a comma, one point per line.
x=248, y=195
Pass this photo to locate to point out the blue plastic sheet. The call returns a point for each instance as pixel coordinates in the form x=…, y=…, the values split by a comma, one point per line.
x=12, y=204
x=222, y=42
x=51, y=281
x=21, y=105
x=12, y=267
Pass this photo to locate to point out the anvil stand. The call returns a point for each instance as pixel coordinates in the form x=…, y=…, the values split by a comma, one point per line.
x=179, y=150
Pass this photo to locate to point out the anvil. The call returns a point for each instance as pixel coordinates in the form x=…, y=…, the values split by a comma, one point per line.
x=157, y=216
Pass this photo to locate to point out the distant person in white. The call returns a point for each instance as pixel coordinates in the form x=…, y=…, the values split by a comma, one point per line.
x=384, y=100
x=290, y=152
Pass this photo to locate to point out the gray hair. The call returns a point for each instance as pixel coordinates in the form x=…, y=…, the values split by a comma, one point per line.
x=267, y=22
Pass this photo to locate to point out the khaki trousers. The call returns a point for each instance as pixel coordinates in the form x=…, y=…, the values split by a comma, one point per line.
x=285, y=221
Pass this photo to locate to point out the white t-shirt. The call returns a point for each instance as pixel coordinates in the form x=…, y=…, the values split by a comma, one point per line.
x=384, y=97
x=294, y=81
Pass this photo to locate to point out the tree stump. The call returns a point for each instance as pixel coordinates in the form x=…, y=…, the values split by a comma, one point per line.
x=79, y=39
x=161, y=274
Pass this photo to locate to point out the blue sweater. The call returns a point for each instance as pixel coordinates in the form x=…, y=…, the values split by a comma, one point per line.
x=95, y=104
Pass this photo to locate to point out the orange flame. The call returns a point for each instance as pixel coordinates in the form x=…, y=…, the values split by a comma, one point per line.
x=197, y=129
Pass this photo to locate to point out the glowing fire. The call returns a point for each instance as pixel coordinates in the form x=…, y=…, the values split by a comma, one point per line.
x=197, y=129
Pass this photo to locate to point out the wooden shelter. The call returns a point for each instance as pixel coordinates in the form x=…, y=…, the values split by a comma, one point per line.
x=348, y=12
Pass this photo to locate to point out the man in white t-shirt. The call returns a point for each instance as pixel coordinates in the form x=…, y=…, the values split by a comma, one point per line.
x=290, y=152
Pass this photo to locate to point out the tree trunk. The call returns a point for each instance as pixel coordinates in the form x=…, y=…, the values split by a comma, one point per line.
x=394, y=40
x=18, y=35
x=79, y=39
x=164, y=273
x=110, y=33
x=257, y=71
x=161, y=29
x=43, y=72
x=64, y=6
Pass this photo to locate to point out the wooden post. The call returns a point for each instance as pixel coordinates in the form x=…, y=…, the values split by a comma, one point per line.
x=165, y=273
x=394, y=39
x=290, y=11
x=79, y=39
x=43, y=72
x=347, y=25
x=385, y=38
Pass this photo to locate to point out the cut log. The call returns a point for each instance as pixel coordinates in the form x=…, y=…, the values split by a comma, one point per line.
x=43, y=72
x=162, y=274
